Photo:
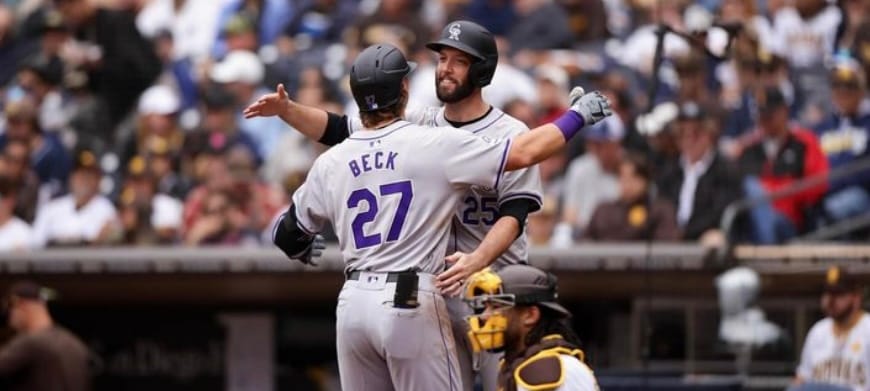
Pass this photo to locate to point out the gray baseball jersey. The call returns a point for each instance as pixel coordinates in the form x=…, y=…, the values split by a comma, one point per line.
x=479, y=209
x=391, y=193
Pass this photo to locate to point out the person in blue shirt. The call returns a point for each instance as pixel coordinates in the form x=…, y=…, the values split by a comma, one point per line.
x=843, y=136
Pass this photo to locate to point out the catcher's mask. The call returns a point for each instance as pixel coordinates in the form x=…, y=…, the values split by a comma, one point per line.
x=513, y=285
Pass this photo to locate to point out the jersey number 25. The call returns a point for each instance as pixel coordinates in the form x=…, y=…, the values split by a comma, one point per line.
x=360, y=239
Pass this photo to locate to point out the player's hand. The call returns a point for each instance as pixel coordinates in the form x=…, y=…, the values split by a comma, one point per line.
x=450, y=281
x=315, y=250
x=593, y=106
x=269, y=105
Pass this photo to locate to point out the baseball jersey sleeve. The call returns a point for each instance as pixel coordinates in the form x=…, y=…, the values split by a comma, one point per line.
x=522, y=184
x=469, y=159
x=312, y=211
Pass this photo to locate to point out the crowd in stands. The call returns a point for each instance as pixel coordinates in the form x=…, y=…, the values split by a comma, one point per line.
x=121, y=120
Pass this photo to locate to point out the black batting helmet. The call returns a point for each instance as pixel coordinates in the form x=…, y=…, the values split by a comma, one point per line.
x=476, y=41
x=376, y=77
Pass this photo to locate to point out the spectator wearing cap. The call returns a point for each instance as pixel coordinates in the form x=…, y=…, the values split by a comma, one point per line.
x=844, y=139
x=703, y=182
x=147, y=217
x=591, y=179
x=48, y=157
x=157, y=117
x=119, y=61
x=42, y=355
x=40, y=77
x=241, y=74
x=240, y=34
x=836, y=351
x=83, y=217
x=397, y=22
x=15, y=166
x=552, y=82
x=220, y=126
x=638, y=214
x=271, y=16
x=783, y=155
x=15, y=234
x=163, y=165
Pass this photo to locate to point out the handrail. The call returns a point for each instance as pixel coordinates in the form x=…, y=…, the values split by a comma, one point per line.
x=729, y=216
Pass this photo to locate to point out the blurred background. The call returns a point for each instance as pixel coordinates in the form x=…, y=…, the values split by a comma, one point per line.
x=130, y=183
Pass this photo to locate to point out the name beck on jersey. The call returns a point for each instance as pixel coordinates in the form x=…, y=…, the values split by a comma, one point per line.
x=380, y=160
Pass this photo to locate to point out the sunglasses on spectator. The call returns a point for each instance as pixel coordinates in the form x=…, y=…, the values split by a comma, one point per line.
x=845, y=86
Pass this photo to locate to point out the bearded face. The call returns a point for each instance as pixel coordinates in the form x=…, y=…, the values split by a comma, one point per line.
x=839, y=306
x=452, y=82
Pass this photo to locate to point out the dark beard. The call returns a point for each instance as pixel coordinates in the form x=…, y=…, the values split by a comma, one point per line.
x=843, y=316
x=461, y=92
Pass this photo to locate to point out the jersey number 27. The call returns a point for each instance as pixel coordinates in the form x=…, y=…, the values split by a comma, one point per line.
x=405, y=192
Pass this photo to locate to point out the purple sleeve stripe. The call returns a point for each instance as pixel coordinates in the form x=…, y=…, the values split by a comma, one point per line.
x=501, y=165
x=531, y=196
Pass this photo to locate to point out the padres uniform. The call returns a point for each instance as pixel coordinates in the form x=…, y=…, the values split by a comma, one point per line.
x=390, y=195
x=843, y=360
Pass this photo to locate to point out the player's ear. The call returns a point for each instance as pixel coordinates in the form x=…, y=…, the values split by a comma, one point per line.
x=530, y=316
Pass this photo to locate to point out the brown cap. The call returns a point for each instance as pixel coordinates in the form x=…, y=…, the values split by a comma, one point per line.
x=838, y=280
x=532, y=286
x=30, y=290
x=85, y=159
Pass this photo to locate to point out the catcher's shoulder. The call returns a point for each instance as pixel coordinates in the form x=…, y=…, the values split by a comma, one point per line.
x=552, y=370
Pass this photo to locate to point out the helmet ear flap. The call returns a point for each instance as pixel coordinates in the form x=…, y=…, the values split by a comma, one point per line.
x=480, y=73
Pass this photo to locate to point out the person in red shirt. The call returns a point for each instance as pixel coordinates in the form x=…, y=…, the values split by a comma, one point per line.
x=782, y=155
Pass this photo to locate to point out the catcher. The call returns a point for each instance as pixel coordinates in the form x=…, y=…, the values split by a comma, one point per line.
x=516, y=312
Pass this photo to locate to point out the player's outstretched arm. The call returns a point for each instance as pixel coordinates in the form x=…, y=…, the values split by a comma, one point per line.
x=538, y=144
x=307, y=120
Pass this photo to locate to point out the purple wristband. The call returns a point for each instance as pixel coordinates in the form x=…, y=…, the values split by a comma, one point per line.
x=569, y=124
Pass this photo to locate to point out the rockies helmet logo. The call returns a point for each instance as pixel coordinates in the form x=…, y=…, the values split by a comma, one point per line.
x=371, y=102
x=454, y=31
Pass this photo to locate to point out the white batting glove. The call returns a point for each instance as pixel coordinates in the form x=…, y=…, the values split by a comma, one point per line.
x=593, y=107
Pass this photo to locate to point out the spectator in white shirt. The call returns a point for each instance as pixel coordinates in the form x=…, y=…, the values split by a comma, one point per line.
x=83, y=217
x=14, y=233
x=148, y=217
x=591, y=180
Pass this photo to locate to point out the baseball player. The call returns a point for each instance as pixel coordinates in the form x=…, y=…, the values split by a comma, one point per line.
x=837, y=349
x=517, y=313
x=390, y=192
x=488, y=224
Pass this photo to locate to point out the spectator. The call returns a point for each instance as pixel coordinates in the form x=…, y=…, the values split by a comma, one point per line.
x=191, y=25
x=43, y=355
x=15, y=234
x=637, y=214
x=587, y=20
x=320, y=22
x=240, y=34
x=221, y=222
x=592, y=179
x=395, y=22
x=40, y=76
x=13, y=49
x=120, y=62
x=148, y=217
x=157, y=119
x=542, y=223
x=540, y=24
x=16, y=168
x=552, y=84
x=83, y=217
x=497, y=16
x=843, y=137
x=48, y=157
x=703, y=183
x=806, y=36
x=220, y=126
x=240, y=74
x=271, y=16
x=782, y=155
x=162, y=164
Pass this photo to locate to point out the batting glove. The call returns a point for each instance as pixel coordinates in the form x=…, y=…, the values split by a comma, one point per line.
x=314, y=250
x=593, y=107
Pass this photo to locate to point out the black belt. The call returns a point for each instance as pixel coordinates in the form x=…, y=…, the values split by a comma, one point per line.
x=391, y=276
